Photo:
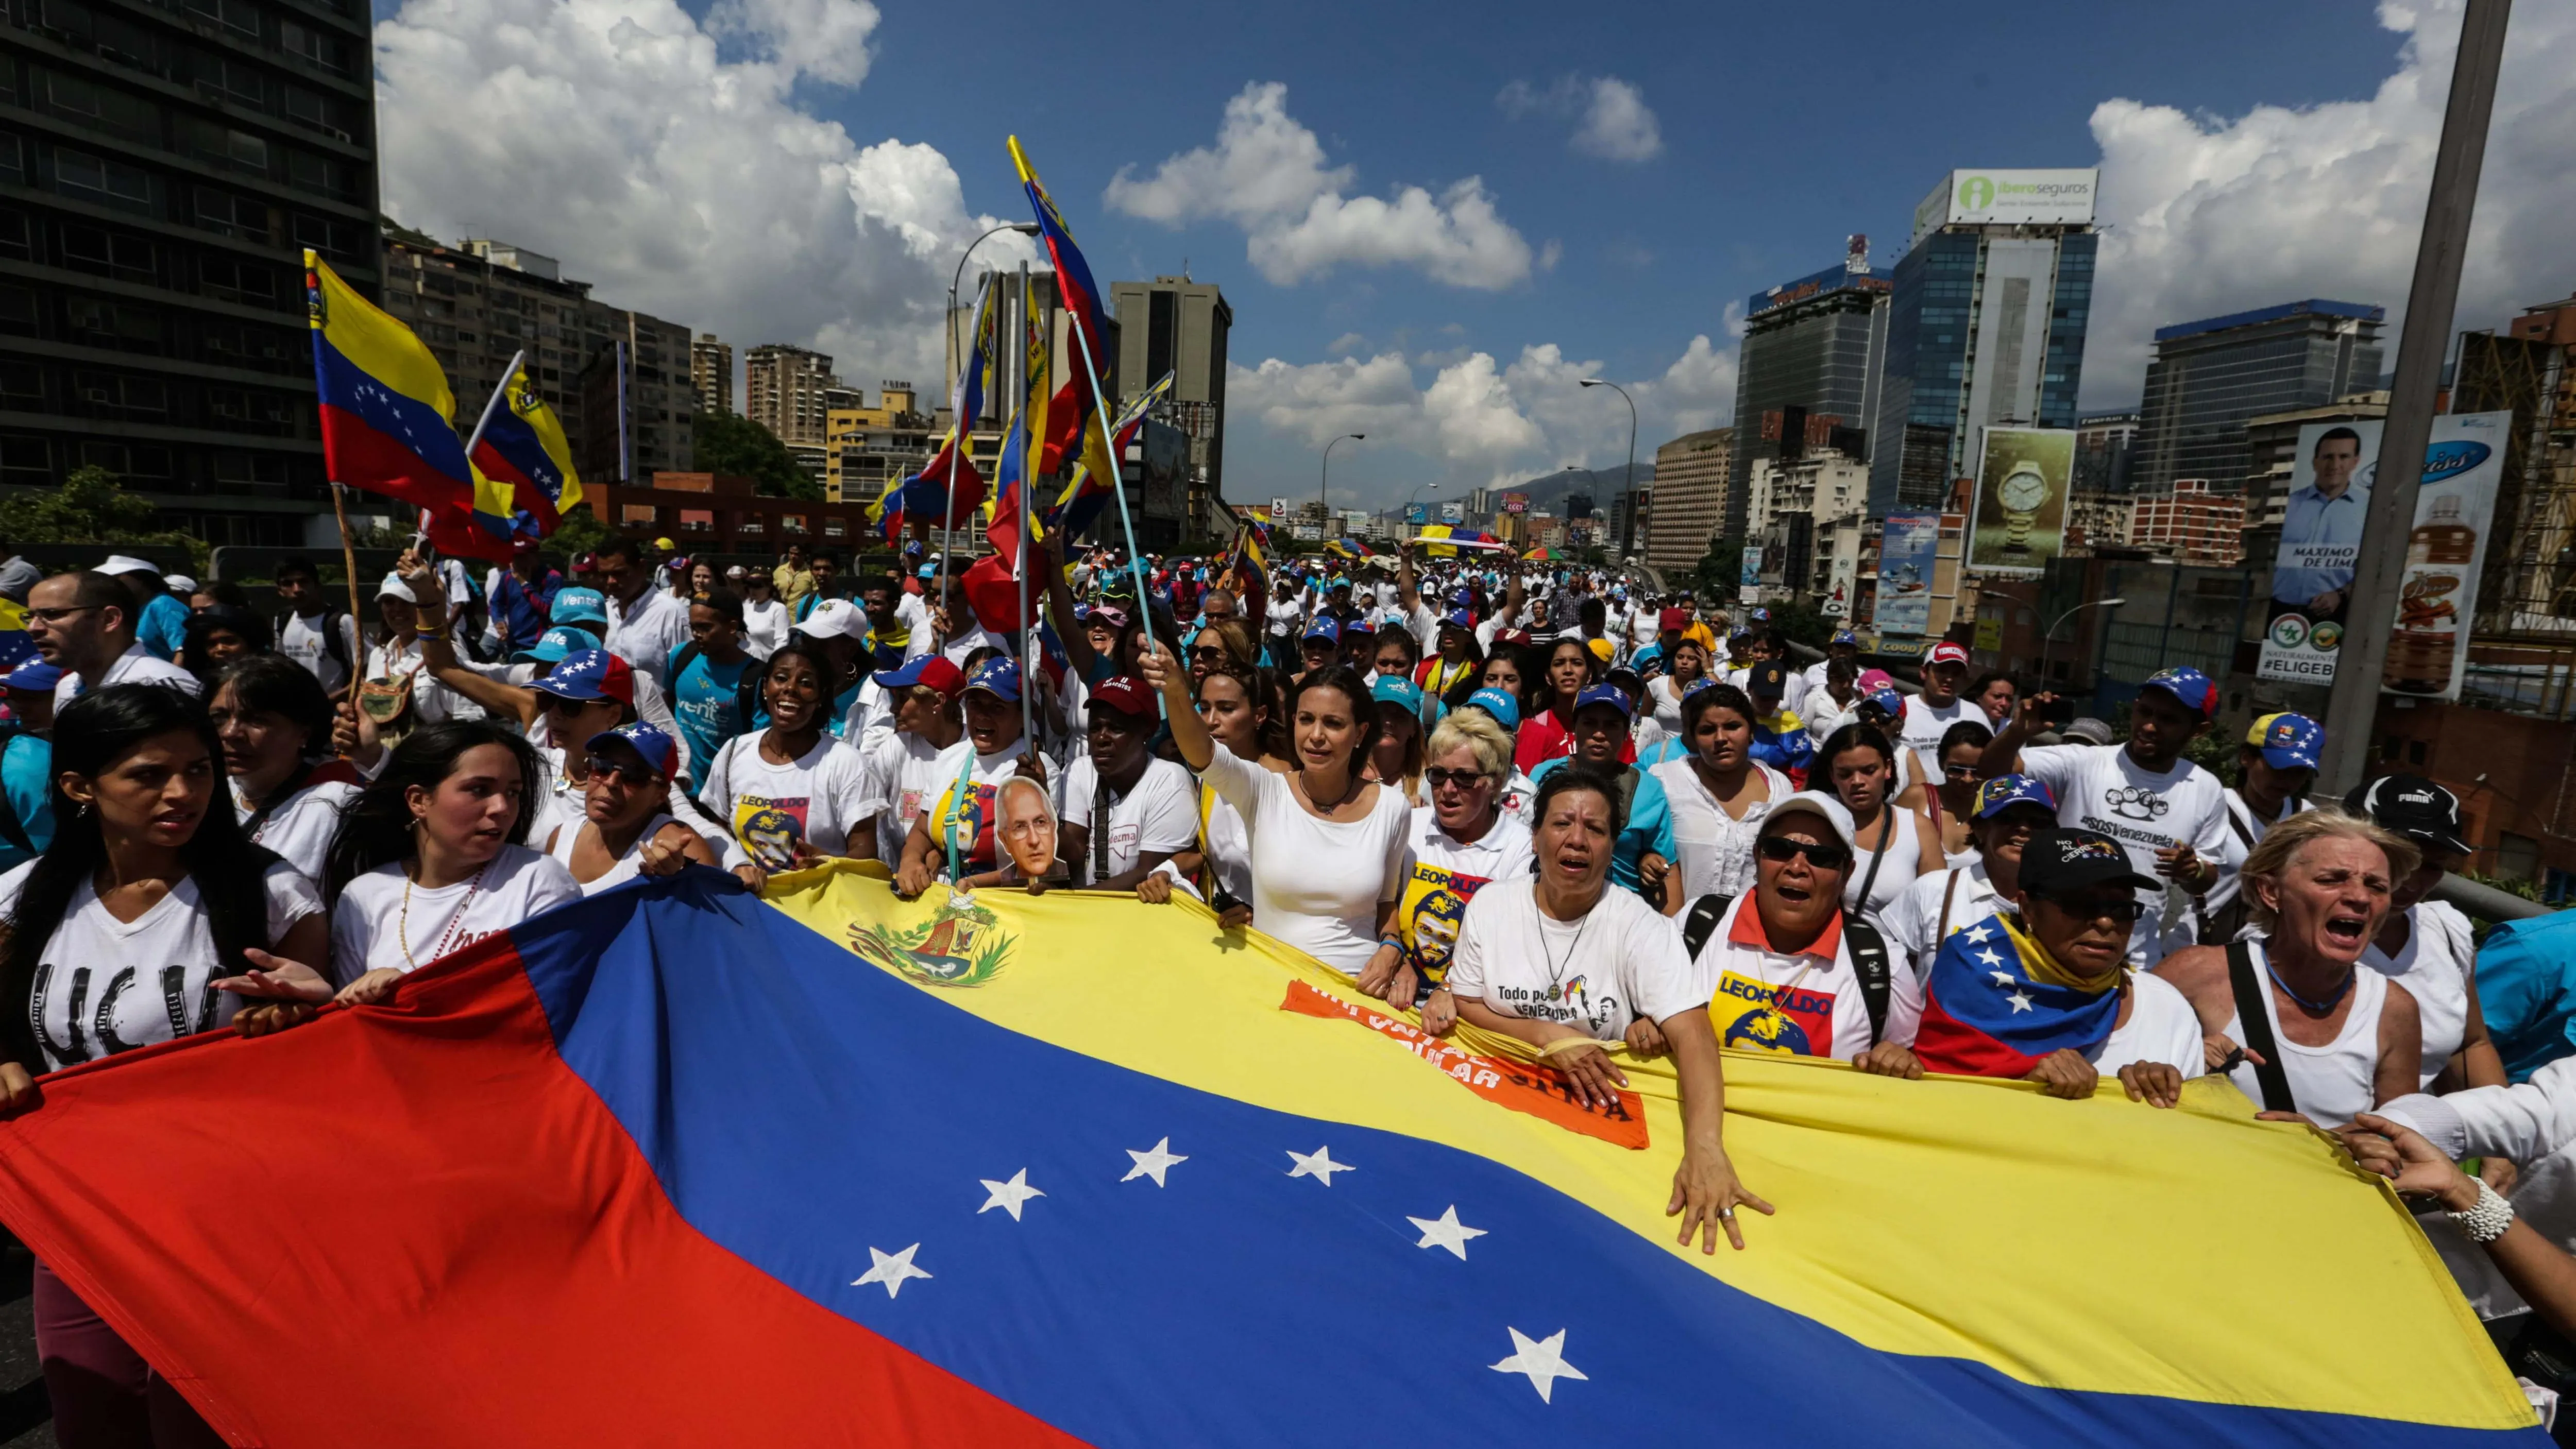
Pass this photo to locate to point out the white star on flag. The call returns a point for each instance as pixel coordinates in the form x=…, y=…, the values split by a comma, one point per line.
x=1990, y=958
x=2002, y=978
x=891, y=1269
x=1445, y=1231
x=1153, y=1164
x=1009, y=1196
x=1544, y=1362
x=1979, y=934
x=1318, y=1164
x=2020, y=1002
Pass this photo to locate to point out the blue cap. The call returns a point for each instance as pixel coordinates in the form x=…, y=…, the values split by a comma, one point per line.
x=1000, y=677
x=1609, y=694
x=35, y=674
x=1460, y=619
x=1392, y=689
x=553, y=645
x=2005, y=791
x=2288, y=741
x=1760, y=616
x=1888, y=700
x=1740, y=631
x=1505, y=710
x=932, y=669
x=15, y=649
x=930, y=571
x=589, y=674
x=1462, y=597
x=579, y=606
x=2188, y=686
x=661, y=753
x=1324, y=627
x=1845, y=636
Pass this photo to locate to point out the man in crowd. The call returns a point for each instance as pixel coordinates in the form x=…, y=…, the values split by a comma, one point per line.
x=646, y=625
x=795, y=578
x=1930, y=714
x=160, y=620
x=521, y=598
x=1125, y=811
x=17, y=575
x=312, y=631
x=82, y=624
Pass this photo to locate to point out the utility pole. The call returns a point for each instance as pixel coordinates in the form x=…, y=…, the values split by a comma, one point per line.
x=2431, y=301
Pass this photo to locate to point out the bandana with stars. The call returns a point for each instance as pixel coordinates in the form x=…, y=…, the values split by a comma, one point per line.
x=1994, y=1004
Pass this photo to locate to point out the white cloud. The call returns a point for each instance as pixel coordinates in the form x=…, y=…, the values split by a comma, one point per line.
x=1267, y=174
x=2208, y=216
x=1611, y=118
x=612, y=134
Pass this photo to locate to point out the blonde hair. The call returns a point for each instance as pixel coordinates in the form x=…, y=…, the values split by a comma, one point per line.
x=2282, y=843
x=1483, y=736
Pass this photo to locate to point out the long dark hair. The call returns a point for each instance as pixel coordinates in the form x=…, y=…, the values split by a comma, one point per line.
x=275, y=684
x=91, y=735
x=375, y=828
x=1345, y=681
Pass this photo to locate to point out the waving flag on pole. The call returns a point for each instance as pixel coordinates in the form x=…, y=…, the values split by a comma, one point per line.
x=1003, y=519
x=387, y=411
x=1071, y=408
x=1073, y=1169
x=927, y=494
x=1088, y=491
x=522, y=460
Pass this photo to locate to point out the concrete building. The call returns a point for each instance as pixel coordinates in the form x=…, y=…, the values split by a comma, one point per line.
x=783, y=391
x=1178, y=326
x=865, y=447
x=482, y=302
x=1813, y=351
x=711, y=373
x=2105, y=447
x=1791, y=510
x=2095, y=521
x=2209, y=377
x=165, y=167
x=1691, y=484
x=1985, y=327
x=2191, y=522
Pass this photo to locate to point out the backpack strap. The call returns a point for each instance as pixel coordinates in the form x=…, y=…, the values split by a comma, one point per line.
x=1870, y=963
x=12, y=829
x=2256, y=1022
x=1701, y=921
x=2236, y=824
x=1949, y=892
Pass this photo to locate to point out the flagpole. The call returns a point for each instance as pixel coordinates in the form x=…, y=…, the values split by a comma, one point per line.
x=1117, y=478
x=348, y=566
x=1026, y=522
x=490, y=404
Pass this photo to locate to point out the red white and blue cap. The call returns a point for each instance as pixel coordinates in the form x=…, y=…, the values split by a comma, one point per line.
x=1844, y=636
x=2188, y=686
x=1945, y=652
x=998, y=677
x=660, y=752
x=1324, y=627
x=2288, y=741
x=935, y=670
x=35, y=675
x=587, y=674
x=1460, y=619
x=2003, y=792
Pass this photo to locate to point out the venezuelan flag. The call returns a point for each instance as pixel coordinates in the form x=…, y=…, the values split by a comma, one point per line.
x=1989, y=1011
x=1002, y=521
x=522, y=450
x=675, y=1165
x=386, y=407
x=1079, y=505
x=1081, y=296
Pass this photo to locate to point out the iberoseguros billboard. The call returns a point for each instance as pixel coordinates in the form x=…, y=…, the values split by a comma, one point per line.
x=2009, y=198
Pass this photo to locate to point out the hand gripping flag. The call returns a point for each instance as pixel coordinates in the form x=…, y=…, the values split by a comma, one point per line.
x=1994, y=1004
x=522, y=462
x=387, y=423
x=675, y=1165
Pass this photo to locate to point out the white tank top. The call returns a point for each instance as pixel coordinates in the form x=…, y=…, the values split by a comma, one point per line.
x=2333, y=1083
x=1716, y=849
x=622, y=870
x=1900, y=860
x=2433, y=965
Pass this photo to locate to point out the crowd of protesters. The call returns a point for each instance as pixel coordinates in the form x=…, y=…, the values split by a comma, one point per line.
x=1535, y=801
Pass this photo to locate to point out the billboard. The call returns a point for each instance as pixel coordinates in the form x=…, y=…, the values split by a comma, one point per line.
x=1417, y=514
x=1908, y=545
x=1516, y=503
x=2008, y=198
x=1453, y=513
x=2019, y=518
x=2330, y=482
x=1748, y=582
x=1278, y=509
x=1840, y=277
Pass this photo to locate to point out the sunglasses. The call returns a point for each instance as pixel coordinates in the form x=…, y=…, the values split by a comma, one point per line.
x=634, y=777
x=1959, y=772
x=1823, y=857
x=1438, y=777
x=1210, y=655
x=2124, y=913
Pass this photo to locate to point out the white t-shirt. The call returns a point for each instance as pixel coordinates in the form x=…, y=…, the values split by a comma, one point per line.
x=1914, y=922
x=302, y=640
x=1621, y=961
x=818, y=799
x=1441, y=876
x=971, y=824
x=372, y=928
x=903, y=775
x=1716, y=849
x=1797, y=1004
x=2104, y=789
x=1285, y=615
x=2161, y=1027
x=1926, y=723
x=137, y=665
x=645, y=634
x=1316, y=884
x=1161, y=815
x=90, y=999
x=764, y=627
x=301, y=827
x=431, y=701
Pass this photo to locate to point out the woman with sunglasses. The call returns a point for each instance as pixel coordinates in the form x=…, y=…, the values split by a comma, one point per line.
x=1716, y=796
x=626, y=829
x=2002, y=814
x=1948, y=802
x=1222, y=644
x=1896, y=845
x=1462, y=841
x=1571, y=967
x=1396, y=756
x=1236, y=707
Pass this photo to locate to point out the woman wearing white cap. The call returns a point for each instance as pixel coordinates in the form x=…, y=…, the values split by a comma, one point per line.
x=396, y=691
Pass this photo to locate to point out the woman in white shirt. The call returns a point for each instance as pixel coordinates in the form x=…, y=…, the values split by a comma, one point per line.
x=275, y=725
x=140, y=923
x=1327, y=842
x=1688, y=666
x=397, y=661
x=626, y=829
x=1235, y=705
x=1568, y=966
x=792, y=793
x=764, y=618
x=1717, y=796
x=2426, y=944
x=1895, y=844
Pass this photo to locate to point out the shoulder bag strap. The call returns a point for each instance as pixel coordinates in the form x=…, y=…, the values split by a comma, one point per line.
x=1886, y=833
x=2236, y=823
x=1949, y=893
x=2256, y=1023
x=1869, y=963
x=1701, y=922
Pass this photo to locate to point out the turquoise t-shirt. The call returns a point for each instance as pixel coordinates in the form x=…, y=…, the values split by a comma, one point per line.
x=706, y=699
x=26, y=777
x=1649, y=827
x=163, y=627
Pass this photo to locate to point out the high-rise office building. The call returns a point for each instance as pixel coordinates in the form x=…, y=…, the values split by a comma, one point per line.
x=163, y=169
x=1691, y=484
x=2210, y=376
x=1179, y=326
x=783, y=391
x=482, y=302
x=1986, y=326
x=2105, y=448
x=1815, y=345
x=711, y=373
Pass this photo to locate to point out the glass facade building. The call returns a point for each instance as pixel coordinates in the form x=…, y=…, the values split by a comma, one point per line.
x=1815, y=343
x=2209, y=377
x=162, y=165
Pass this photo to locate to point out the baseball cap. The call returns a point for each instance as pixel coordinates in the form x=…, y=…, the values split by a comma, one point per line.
x=1845, y=636
x=1459, y=619
x=1505, y=710
x=587, y=674
x=1360, y=625
x=126, y=563
x=661, y=753
x=1871, y=681
x=929, y=571
x=835, y=619
x=1673, y=621
x=664, y=544
x=2089, y=730
x=1833, y=812
x=1609, y=694
x=1768, y=677
x=1888, y=700
x=1126, y=694
x=934, y=670
x=523, y=545
x=737, y=571
x=1945, y=652
x=179, y=583
x=1109, y=614
x=997, y=677
x=2288, y=741
x=2003, y=792
x=394, y=588
x=1391, y=689
x=554, y=645
x=2058, y=862
x=1324, y=627
x=35, y=675
x=2189, y=687
x=2407, y=805
x=579, y=606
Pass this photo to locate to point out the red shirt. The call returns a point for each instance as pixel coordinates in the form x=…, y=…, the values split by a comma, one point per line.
x=1542, y=739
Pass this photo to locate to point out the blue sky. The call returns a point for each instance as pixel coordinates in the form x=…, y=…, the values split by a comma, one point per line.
x=804, y=170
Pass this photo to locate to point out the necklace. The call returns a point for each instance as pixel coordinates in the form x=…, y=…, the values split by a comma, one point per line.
x=456, y=923
x=1555, y=968
x=2312, y=1008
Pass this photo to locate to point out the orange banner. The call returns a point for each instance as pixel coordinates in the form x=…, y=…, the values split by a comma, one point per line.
x=1521, y=1086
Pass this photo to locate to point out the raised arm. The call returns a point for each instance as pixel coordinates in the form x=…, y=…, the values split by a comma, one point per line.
x=1189, y=733
x=438, y=651
x=1059, y=602
x=2002, y=754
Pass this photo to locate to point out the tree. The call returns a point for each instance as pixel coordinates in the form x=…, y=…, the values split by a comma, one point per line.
x=1721, y=569
x=740, y=448
x=92, y=507
x=579, y=532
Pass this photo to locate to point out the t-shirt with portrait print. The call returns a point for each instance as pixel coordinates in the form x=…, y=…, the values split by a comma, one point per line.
x=1441, y=876
x=815, y=800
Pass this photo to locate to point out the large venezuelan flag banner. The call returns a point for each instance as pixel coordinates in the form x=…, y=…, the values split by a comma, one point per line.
x=677, y=1166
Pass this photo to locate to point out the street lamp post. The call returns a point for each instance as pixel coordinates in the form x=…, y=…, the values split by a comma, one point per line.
x=2046, y=639
x=964, y=426
x=1627, y=480
x=1406, y=516
x=1324, y=509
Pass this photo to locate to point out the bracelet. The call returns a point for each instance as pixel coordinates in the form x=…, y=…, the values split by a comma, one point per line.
x=1395, y=941
x=2487, y=1221
x=423, y=631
